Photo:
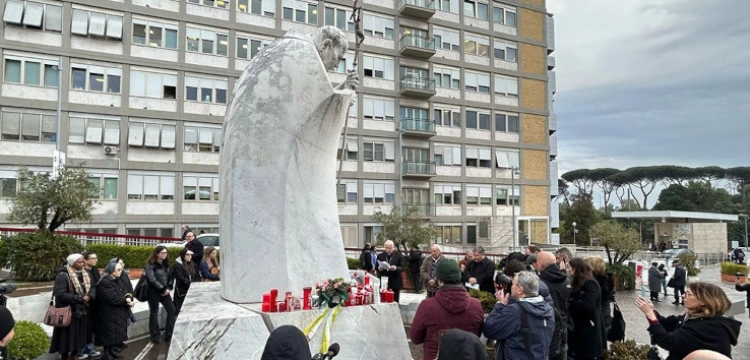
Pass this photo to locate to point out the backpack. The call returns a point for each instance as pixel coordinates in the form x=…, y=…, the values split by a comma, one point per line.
x=141, y=289
x=365, y=260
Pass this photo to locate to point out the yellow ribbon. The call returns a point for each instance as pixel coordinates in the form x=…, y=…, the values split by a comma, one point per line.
x=312, y=328
x=327, y=330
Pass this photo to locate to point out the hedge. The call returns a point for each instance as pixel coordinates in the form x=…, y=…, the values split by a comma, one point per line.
x=353, y=263
x=29, y=343
x=731, y=269
x=132, y=256
x=38, y=255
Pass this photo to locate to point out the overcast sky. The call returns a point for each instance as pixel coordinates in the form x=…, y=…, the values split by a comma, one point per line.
x=651, y=82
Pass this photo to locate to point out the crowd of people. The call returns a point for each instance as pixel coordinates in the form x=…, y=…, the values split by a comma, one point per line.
x=101, y=301
x=553, y=306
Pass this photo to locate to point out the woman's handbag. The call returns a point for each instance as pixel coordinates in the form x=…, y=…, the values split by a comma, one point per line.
x=58, y=317
x=617, y=331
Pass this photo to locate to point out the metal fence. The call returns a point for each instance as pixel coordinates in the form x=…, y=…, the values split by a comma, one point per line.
x=86, y=238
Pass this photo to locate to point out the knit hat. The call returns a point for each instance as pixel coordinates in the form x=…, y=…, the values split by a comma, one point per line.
x=6, y=322
x=447, y=271
x=72, y=258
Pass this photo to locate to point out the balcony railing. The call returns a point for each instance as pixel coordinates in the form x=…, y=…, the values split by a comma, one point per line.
x=411, y=82
x=418, y=42
x=420, y=209
x=417, y=124
x=418, y=168
x=430, y=5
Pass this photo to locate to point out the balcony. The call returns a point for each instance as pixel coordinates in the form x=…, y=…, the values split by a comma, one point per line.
x=418, y=127
x=552, y=124
x=554, y=188
x=417, y=47
x=553, y=146
x=550, y=34
x=416, y=86
x=420, y=170
x=422, y=210
x=550, y=62
x=422, y=9
x=552, y=81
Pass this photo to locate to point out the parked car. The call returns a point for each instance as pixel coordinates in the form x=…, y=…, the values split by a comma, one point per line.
x=669, y=253
x=205, y=239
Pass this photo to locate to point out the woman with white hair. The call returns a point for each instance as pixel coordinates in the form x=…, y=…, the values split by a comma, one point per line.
x=72, y=288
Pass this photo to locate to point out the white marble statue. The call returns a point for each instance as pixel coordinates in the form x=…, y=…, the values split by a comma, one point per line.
x=278, y=211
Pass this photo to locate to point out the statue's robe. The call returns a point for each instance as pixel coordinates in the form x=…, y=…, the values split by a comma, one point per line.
x=278, y=210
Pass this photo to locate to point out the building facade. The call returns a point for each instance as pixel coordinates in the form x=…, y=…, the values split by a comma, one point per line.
x=459, y=90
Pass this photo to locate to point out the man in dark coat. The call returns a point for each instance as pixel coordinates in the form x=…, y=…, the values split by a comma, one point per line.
x=185, y=230
x=194, y=245
x=391, y=265
x=450, y=308
x=559, y=288
x=679, y=280
x=429, y=266
x=415, y=262
x=654, y=281
x=457, y=344
x=482, y=271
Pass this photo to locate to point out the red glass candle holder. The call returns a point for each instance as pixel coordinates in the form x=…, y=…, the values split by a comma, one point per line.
x=265, y=307
x=306, y=298
x=367, y=279
x=274, y=294
x=282, y=306
x=389, y=296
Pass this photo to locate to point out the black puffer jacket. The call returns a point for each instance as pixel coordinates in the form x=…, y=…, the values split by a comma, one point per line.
x=607, y=283
x=158, y=276
x=286, y=342
x=113, y=312
x=458, y=344
x=559, y=289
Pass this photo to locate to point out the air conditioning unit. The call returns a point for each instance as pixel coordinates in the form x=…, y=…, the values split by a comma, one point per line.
x=111, y=150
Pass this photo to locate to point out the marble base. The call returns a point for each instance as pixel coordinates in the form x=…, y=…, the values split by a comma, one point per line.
x=218, y=329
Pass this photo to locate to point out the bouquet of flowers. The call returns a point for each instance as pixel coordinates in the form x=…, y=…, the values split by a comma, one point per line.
x=332, y=292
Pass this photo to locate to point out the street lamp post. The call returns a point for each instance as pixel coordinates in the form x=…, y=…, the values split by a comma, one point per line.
x=514, y=197
x=574, y=232
x=745, y=216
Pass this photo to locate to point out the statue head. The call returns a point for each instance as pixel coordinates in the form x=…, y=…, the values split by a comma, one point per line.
x=332, y=45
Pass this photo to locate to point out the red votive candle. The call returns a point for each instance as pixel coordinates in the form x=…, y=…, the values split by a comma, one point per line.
x=265, y=307
x=389, y=296
x=266, y=298
x=274, y=294
x=282, y=306
x=306, y=298
x=367, y=279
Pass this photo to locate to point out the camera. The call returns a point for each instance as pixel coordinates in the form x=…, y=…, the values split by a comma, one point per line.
x=739, y=274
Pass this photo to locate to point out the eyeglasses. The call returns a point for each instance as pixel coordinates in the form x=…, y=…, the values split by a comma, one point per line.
x=163, y=252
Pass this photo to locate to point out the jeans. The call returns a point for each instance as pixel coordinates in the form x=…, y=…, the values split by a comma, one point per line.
x=681, y=291
x=664, y=285
x=154, y=299
x=88, y=349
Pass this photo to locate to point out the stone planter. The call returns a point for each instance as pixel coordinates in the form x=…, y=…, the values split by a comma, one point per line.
x=134, y=273
x=732, y=279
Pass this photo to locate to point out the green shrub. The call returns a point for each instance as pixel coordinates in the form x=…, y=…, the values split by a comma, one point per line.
x=132, y=256
x=625, y=276
x=3, y=251
x=488, y=300
x=353, y=263
x=38, y=255
x=29, y=343
x=730, y=268
x=690, y=264
x=626, y=350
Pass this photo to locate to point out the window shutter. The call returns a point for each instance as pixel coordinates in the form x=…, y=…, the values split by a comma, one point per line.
x=53, y=18
x=135, y=135
x=135, y=184
x=389, y=153
x=80, y=23
x=33, y=14
x=97, y=24
x=503, y=161
x=168, y=136
x=111, y=132
x=167, y=185
x=94, y=131
x=153, y=132
x=13, y=12
x=114, y=26
x=31, y=124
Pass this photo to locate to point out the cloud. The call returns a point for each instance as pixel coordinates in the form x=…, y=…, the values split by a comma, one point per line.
x=645, y=82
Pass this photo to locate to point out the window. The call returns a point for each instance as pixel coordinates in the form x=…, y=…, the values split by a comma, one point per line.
x=477, y=82
x=447, y=116
x=448, y=234
x=28, y=127
x=205, y=90
x=446, y=39
x=154, y=34
x=506, y=196
x=202, y=138
x=476, y=9
x=506, y=86
x=346, y=63
x=447, y=5
x=414, y=155
x=477, y=119
x=506, y=51
x=91, y=129
x=106, y=186
x=504, y=16
x=339, y=18
x=478, y=157
x=378, y=193
x=414, y=114
x=150, y=187
x=95, y=78
x=448, y=194
x=352, y=147
x=378, y=26
x=258, y=7
x=152, y=84
x=507, y=159
x=8, y=184
x=448, y=155
x=248, y=48
x=201, y=188
x=478, y=195
x=151, y=135
x=378, y=151
x=216, y=3
x=476, y=45
x=378, y=108
x=346, y=192
x=35, y=15
x=378, y=67
x=96, y=24
x=372, y=233
x=506, y=122
x=31, y=71
x=206, y=41
x=448, y=78
x=300, y=11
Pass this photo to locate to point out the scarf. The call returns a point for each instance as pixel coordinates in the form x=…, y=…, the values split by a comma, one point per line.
x=73, y=275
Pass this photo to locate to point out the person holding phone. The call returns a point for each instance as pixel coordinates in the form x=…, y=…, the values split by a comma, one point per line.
x=743, y=287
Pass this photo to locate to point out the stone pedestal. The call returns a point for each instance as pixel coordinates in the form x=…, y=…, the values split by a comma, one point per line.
x=210, y=327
